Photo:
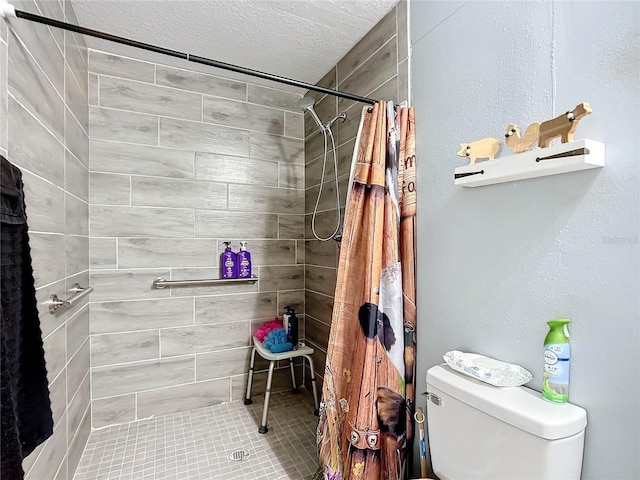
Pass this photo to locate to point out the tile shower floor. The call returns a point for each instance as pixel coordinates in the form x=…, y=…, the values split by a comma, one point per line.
x=195, y=445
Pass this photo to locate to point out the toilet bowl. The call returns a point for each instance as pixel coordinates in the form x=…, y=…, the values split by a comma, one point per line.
x=478, y=431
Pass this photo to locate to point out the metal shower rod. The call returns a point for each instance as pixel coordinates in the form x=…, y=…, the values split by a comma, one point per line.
x=8, y=10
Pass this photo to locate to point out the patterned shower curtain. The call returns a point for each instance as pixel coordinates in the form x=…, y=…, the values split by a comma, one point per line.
x=366, y=415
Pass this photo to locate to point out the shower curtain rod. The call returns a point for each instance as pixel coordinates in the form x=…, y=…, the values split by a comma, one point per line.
x=8, y=10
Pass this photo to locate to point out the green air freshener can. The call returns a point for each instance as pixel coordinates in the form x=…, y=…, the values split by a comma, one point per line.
x=557, y=353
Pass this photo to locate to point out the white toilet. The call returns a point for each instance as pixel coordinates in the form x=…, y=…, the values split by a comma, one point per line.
x=478, y=431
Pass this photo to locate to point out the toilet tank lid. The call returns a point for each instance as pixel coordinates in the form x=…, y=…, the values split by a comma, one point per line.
x=518, y=406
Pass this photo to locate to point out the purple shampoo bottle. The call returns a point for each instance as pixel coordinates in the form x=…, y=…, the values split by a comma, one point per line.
x=228, y=263
x=244, y=261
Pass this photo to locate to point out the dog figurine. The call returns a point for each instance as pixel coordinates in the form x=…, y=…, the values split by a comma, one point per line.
x=563, y=126
x=485, y=148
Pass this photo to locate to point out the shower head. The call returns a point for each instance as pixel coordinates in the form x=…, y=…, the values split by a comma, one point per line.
x=306, y=105
x=306, y=102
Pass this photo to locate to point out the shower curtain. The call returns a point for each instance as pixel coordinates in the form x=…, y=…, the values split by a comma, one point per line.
x=368, y=391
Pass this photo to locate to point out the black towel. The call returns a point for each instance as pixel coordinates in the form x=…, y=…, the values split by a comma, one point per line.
x=26, y=418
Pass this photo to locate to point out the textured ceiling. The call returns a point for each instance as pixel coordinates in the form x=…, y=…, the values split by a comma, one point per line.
x=300, y=39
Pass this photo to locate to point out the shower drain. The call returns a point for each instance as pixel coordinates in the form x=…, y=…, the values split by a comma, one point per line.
x=238, y=455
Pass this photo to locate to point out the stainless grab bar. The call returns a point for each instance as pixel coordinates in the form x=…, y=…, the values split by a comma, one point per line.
x=78, y=293
x=161, y=282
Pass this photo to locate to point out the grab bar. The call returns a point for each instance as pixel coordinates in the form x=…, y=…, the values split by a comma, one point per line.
x=78, y=293
x=161, y=282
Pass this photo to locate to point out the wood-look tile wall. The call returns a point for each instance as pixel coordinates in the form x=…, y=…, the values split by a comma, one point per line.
x=44, y=131
x=180, y=162
x=378, y=67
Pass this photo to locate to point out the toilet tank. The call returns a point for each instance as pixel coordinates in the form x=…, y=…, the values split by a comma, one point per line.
x=478, y=431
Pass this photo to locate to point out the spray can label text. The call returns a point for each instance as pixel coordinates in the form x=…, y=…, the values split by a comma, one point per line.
x=555, y=380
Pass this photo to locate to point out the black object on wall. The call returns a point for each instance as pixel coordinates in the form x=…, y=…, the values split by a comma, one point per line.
x=26, y=418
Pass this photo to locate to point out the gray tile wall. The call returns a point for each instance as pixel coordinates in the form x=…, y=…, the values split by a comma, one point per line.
x=43, y=130
x=180, y=162
x=378, y=67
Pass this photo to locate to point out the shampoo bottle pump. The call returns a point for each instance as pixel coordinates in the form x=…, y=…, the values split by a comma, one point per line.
x=228, y=263
x=557, y=352
x=244, y=261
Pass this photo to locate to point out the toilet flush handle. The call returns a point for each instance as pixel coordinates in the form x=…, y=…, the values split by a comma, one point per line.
x=436, y=400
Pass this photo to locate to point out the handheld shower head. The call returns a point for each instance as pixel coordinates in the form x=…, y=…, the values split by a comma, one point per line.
x=306, y=102
x=306, y=105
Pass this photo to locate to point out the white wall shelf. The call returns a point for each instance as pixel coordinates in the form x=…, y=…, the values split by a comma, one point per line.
x=561, y=158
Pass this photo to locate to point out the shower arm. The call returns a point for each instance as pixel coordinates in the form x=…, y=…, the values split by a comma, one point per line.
x=9, y=11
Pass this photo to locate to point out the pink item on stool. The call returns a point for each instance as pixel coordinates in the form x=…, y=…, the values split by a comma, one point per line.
x=264, y=330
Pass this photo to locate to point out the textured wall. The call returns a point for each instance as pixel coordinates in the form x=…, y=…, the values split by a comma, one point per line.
x=43, y=130
x=180, y=162
x=496, y=262
x=377, y=67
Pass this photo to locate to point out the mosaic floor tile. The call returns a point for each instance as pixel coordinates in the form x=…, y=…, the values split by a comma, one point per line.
x=195, y=445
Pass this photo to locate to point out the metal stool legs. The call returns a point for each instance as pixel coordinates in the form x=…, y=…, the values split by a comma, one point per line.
x=316, y=412
x=263, y=428
x=267, y=395
x=247, y=398
x=293, y=377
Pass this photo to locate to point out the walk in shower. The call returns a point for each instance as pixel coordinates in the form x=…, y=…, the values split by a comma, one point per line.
x=137, y=170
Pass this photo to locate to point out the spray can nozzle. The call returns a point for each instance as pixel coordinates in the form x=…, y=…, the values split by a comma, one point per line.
x=560, y=322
